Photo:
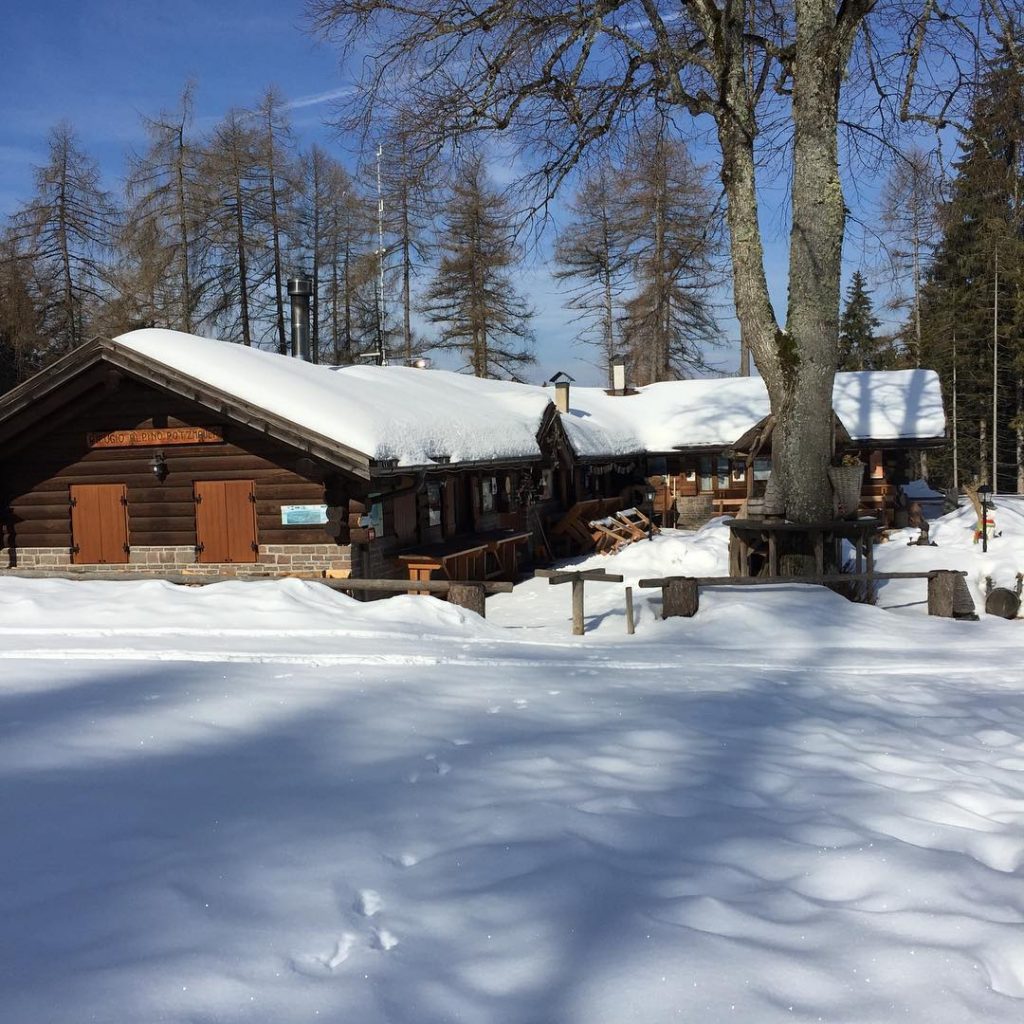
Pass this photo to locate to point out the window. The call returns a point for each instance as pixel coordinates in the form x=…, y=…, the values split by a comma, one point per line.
x=762, y=469
x=722, y=473
x=491, y=497
x=434, y=503
x=547, y=485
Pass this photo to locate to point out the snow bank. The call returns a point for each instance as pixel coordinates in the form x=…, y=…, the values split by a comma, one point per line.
x=265, y=802
x=955, y=548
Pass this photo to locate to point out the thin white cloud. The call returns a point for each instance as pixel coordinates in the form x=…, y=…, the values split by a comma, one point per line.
x=315, y=99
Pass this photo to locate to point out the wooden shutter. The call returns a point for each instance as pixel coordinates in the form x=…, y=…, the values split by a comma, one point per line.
x=99, y=524
x=225, y=520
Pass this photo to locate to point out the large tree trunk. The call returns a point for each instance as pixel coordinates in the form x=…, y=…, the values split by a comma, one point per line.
x=798, y=364
x=803, y=441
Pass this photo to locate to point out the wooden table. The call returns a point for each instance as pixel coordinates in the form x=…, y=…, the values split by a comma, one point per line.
x=750, y=535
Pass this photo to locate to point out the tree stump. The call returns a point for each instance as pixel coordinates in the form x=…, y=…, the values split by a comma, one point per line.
x=679, y=598
x=469, y=596
x=1003, y=602
x=949, y=596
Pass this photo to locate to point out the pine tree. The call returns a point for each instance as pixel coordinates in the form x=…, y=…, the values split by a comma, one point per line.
x=276, y=169
x=592, y=254
x=22, y=340
x=232, y=173
x=166, y=228
x=471, y=296
x=65, y=233
x=859, y=347
x=979, y=267
x=671, y=224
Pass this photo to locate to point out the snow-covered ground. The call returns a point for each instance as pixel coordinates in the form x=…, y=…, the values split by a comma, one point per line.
x=265, y=802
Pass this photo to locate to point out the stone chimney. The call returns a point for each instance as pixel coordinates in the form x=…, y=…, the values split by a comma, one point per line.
x=562, y=395
x=619, y=376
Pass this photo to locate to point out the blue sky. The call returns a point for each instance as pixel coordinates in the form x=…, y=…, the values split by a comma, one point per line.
x=103, y=63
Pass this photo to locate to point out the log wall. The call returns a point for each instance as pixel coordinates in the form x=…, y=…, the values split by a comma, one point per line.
x=35, y=479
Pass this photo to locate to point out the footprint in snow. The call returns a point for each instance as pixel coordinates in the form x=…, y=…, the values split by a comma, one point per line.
x=402, y=860
x=440, y=767
x=368, y=902
x=315, y=965
x=383, y=940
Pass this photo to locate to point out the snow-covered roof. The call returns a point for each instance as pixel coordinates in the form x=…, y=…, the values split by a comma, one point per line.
x=413, y=416
x=880, y=405
x=391, y=412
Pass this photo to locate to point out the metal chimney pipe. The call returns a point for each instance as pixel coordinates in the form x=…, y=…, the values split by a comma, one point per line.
x=299, y=291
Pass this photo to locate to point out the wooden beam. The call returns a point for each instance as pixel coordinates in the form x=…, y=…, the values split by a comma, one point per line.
x=199, y=580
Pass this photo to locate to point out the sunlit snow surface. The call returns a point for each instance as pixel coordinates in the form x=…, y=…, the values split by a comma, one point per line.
x=266, y=802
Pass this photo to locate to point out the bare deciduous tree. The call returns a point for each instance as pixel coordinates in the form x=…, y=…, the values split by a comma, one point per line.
x=472, y=296
x=65, y=233
x=592, y=253
x=560, y=78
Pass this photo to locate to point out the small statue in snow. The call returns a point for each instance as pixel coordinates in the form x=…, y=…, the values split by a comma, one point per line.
x=916, y=520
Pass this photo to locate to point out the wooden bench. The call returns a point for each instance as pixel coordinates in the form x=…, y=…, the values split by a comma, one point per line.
x=622, y=528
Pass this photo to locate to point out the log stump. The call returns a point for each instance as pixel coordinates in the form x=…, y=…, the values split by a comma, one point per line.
x=679, y=598
x=469, y=596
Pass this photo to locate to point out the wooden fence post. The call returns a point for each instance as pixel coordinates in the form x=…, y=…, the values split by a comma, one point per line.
x=469, y=596
x=679, y=598
x=577, y=607
x=630, y=622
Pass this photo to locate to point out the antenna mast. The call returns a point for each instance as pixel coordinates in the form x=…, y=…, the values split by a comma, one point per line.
x=382, y=351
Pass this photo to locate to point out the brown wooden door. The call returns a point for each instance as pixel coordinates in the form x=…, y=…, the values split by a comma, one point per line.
x=225, y=520
x=99, y=524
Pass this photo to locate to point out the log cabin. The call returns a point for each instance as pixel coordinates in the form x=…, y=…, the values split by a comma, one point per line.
x=161, y=452
x=708, y=441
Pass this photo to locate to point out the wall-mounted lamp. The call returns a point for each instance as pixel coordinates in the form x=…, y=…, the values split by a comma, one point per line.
x=158, y=467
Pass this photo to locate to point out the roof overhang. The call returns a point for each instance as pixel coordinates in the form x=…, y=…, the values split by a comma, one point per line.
x=17, y=405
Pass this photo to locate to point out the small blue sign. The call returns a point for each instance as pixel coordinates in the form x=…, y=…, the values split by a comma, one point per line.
x=303, y=515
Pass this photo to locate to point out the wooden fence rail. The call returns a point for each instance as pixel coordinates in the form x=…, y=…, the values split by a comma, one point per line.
x=948, y=595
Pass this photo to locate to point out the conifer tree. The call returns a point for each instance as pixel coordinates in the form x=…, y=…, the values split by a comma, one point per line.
x=859, y=347
x=979, y=268
x=471, y=297
x=232, y=171
x=592, y=254
x=166, y=221
x=672, y=231
x=65, y=232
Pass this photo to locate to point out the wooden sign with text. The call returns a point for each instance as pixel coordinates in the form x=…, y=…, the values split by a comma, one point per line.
x=155, y=437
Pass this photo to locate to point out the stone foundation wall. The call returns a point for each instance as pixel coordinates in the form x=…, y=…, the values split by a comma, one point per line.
x=273, y=560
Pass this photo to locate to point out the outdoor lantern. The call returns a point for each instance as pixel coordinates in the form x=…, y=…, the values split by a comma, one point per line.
x=158, y=466
x=984, y=492
x=650, y=494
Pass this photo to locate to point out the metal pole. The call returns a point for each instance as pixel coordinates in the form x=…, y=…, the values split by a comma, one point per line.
x=382, y=349
x=956, y=464
x=984, y=524
x=995, y=375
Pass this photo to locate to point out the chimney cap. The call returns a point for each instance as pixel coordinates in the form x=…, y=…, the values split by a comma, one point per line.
x=561, y=377
x=301, y=285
